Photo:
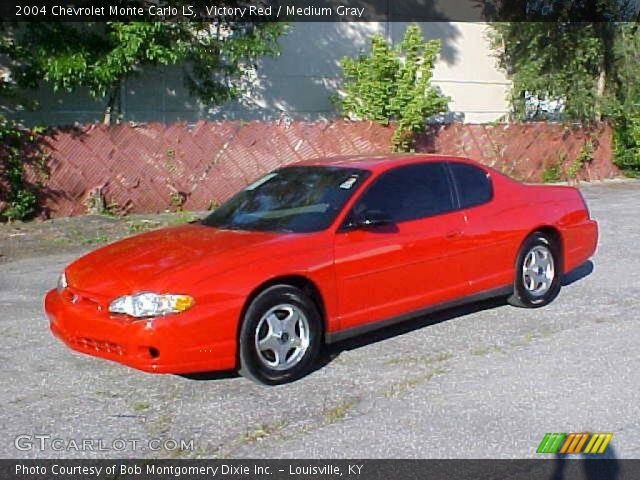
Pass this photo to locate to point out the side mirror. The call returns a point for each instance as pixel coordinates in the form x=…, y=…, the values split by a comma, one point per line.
x=372, y=219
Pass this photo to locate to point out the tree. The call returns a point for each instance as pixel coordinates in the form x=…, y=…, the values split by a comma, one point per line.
x=560, y=49
x=393, y=84
x=569, y=63
x=625, y=109
x=584, y=56
x=101, y=56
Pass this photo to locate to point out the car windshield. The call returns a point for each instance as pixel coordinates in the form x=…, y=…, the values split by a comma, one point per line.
x=292, y=199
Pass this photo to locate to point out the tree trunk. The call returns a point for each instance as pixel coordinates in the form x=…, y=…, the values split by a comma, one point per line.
x=111, y=105
x=600, y=89
x=106, y=119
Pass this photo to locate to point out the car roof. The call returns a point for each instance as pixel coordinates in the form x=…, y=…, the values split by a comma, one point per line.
x=379, y=162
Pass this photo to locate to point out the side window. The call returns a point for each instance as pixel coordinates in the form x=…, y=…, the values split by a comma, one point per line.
x=474, y=186
x=409, y=192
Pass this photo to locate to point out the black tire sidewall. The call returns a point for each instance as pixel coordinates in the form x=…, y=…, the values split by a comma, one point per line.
x=524, y=298
x=250, y=364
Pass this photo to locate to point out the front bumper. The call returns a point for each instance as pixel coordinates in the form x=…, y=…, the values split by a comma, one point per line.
x=185, y=343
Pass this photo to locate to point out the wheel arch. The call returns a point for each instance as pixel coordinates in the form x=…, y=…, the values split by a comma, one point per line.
x=555, y=234
x=301, y=282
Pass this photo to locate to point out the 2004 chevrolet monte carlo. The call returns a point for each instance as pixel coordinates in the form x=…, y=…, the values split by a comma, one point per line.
x=314, y=253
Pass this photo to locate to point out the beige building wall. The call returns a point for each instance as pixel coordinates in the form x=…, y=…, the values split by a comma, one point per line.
x=470, y=76
x=298, y=84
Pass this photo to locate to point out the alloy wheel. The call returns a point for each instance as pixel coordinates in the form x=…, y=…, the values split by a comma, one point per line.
x=282, y=337
x=538, y=270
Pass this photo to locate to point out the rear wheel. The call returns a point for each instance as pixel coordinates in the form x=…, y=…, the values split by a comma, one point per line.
x=280, y=336
x=538, y=272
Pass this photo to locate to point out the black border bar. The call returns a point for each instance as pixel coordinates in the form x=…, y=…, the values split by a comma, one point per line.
x=575, y=11
x=565, y=467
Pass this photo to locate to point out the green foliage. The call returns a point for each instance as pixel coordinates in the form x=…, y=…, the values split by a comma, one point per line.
x=552, y=173
x=22, y=204
x=142, y=226
x=551, y=62
x=97, y=239
x=176, y=200
x=570, y=56
x=584, y=157
x=592, y=68
x=182, y=218
x=626, y=142
x=625, y=113
x=393, y=84
x=100, y=56
x=17, y=147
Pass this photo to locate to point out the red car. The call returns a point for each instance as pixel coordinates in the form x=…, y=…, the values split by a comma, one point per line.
x=314, y=253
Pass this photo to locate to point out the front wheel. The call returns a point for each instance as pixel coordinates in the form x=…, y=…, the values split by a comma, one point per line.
x=538, y=272
x=280, y=336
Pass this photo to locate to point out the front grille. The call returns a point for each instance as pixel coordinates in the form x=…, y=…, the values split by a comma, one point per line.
x=98, y=345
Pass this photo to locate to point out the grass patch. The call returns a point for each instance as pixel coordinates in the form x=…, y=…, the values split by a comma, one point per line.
x=261, y=432
x=142, y=226
x=181, y=218
x=338, y=413
x=546, y=332
x=480, y=351
x=61, y=241
x=140, y=406
x=161, y=424
x=400, y=388
x=7, y=333
x=97, y=239
x=423, y=359
x=106, y=393
x=179, y=453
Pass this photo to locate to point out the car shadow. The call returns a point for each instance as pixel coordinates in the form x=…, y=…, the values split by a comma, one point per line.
x=332, y=351
x=578, y=273
x=587, y=467
x=207, y=376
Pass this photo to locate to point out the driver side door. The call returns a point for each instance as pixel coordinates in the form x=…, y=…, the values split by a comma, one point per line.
x=410, y=263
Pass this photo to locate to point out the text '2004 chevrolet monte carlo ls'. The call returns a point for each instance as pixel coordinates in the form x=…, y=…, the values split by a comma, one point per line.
x=316, y=252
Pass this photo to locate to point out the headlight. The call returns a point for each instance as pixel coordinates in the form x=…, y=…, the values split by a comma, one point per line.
x=62, y=282
x=143, y=305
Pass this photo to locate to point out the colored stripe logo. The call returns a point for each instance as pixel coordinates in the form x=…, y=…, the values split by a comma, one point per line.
x=571, y=443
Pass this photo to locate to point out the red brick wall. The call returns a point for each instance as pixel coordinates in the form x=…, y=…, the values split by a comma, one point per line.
x=523, y=151
x=154, y=167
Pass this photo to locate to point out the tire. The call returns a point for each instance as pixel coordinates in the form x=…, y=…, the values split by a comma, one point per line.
x=537, y=280
x=280, y=336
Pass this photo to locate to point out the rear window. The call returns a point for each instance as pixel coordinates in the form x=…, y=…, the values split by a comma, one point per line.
x=474, y=185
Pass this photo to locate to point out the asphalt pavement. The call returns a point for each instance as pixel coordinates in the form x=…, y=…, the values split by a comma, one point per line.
x=485, y=381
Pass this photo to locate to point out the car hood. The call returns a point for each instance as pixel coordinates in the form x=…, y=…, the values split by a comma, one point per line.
x=155, y=260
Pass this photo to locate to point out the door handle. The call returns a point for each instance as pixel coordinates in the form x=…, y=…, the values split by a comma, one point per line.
x=453, y=234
